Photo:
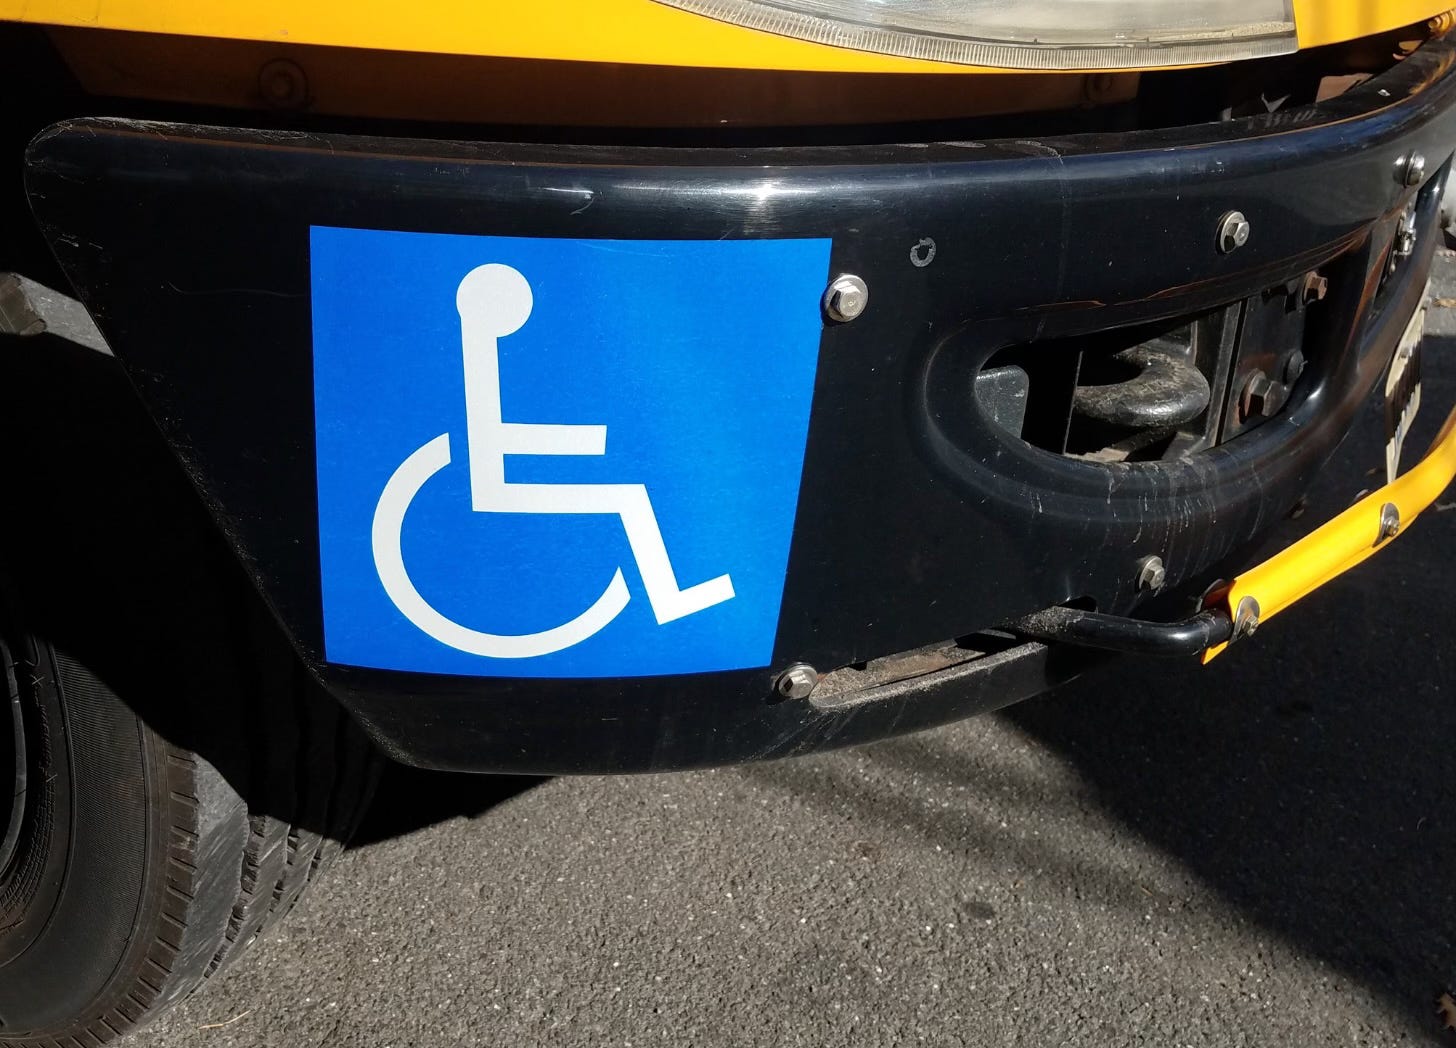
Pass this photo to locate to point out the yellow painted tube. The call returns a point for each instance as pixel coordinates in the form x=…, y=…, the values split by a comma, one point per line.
x=1347, y=540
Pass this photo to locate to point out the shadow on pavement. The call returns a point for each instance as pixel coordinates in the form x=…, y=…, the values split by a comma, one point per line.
x=1310, y=782
x=410, y=799
x=1309, y=778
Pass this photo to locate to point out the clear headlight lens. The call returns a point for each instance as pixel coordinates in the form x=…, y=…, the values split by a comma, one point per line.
x=1028, y=34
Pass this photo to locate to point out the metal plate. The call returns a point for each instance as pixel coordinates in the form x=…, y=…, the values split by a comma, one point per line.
x=1403, y=392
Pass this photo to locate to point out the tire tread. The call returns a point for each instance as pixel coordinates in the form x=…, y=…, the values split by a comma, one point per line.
x=330, y=783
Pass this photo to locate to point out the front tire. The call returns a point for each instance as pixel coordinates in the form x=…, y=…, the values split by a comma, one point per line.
x=136, y=869
x=180, y=779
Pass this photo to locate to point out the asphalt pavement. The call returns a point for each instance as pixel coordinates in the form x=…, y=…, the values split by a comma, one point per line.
x=1262, y=852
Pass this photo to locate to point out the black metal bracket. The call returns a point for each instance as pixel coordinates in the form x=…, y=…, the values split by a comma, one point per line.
x=1091, y=629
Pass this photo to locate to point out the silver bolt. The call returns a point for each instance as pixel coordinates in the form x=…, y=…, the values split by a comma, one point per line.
x=846, y=298
x=798, y=681
x=1233, y=231
x=1151, y=574
x=1405, y=234
x=1389, y=522
x=1246, y=618
x=1411, y=170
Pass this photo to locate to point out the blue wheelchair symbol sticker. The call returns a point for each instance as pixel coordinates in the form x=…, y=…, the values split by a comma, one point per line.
x=558, y=458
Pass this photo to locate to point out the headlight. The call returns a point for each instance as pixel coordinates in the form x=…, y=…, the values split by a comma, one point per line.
x=1027, y=34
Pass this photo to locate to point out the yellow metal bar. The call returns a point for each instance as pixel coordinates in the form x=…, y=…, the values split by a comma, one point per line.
x=631, y=31
x=1345, y=541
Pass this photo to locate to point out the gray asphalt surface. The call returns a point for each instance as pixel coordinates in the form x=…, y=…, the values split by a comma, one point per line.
x=1258, y=853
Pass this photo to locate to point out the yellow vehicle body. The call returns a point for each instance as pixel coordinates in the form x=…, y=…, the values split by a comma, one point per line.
x=638, y=32
x=615, y=63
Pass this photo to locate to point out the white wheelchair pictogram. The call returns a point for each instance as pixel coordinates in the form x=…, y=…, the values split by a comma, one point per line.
x=495, y=301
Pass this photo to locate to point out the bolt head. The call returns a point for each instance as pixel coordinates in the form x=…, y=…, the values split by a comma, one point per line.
x=1233, y=231
x=283, y=84
x=1412, y=169
x=846, y=298
x=1246, y=617
x=1151, y=574
x=1389, y=522
x=1260, y=396
x=797, y=682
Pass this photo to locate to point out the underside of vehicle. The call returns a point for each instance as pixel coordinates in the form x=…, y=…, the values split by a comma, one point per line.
x=850, y=383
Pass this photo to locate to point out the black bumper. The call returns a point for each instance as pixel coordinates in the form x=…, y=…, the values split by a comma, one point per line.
x=918, y=518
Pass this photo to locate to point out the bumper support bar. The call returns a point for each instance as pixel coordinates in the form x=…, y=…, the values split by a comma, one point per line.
x=1347, y=540
x=1091, y=629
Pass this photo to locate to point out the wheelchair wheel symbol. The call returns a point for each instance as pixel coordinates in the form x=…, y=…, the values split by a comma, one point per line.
x=495, y=301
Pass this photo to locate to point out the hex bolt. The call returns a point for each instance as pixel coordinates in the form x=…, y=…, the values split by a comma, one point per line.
x=798, y=681
x=1411, y=169
x=1389, y=523
x=1246, y=618
x=1151, y=574
x=1233, y=232
x=846, y=298
x=1259, y=397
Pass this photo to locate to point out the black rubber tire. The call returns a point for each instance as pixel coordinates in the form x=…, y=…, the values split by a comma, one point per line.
x=187, y=778
x=141, y=870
